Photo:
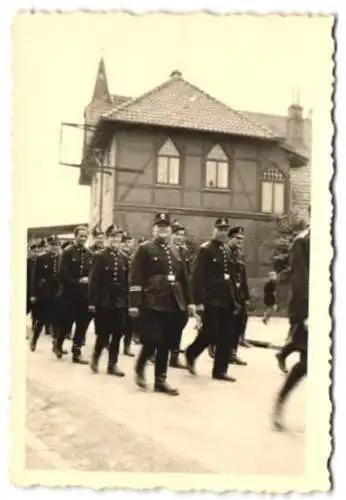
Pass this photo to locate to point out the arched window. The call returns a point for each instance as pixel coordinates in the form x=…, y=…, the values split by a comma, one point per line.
x=217, y=169
x=168, y=164
x=273, y=191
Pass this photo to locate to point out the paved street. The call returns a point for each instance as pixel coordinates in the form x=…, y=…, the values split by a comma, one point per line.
x=77, y=420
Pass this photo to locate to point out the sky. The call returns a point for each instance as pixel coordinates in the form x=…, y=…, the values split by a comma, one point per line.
x=249, y=62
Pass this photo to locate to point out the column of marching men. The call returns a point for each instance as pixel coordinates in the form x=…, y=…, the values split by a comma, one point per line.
x=150, y=291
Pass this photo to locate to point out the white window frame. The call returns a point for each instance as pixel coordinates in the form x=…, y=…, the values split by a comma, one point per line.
x=217, y=159
x=169, y=154
x=274, y=181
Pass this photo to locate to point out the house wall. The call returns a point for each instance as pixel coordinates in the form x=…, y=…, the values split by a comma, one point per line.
x=134, y=197
x=104, y=183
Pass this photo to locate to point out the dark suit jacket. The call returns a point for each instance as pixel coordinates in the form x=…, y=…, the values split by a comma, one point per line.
x=149, y=284
x=108, y=280
x=208, y=282
x=298, y=306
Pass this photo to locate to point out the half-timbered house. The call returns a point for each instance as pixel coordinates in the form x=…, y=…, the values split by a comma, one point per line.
x=195, y=157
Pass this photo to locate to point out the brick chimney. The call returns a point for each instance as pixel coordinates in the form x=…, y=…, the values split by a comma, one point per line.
x=295, y=126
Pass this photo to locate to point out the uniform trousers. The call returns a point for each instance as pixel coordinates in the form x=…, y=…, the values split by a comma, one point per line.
x=109, y=328
x=158, y=332
x=240, y=322
x=181, y=320
x=46, y=314
x=294, y=377
x=128, y=331
x=217, y=329
x=297, y=340
x=74, y=310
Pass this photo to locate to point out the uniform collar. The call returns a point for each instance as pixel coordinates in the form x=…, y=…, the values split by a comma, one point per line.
x=218, y=243
x=113, y=251
x=161, y=243
x=80, y=248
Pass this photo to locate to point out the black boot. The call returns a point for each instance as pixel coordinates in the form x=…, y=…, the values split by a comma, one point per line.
x=190, y=364
x=57, y=348
x=162, y=386
x=33, y=342
x=235, y=360
x=224, y=377
x=114, y=370
x=95, y=358
x=140, y=367
x=175, y=362
x=281, y=361
x=35, y=336
x=77, y=356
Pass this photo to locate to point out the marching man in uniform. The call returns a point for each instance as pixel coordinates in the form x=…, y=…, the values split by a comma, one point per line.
x=159, y=292
x=76, y=262
x=178, y=239
x=235, y=242
x=30, y=262
x=98, y=236
x=298, y=312
x=127, y=247
x=213, y=292
x=45, y=288
x=108, y=300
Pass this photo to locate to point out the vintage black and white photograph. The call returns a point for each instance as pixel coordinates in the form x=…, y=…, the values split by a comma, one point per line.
x=172, y=250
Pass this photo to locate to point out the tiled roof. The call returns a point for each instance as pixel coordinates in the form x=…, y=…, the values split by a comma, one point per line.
x=178, y=104
x=118, y=100
x=276, y=123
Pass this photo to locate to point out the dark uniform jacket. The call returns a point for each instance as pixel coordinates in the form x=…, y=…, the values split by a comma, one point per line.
x=108, y=281
x=45, y=282
x=30, y=262
x=128, y=254
x=298, y=305
x=185, y=256
x=96, y=248
x=150, y=285
x=213, y=276
x=76, y=263
x=241, y=282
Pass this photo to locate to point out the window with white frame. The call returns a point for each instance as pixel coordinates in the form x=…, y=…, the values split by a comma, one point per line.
x=168, y=164
x=217, y=169
x=273, y=191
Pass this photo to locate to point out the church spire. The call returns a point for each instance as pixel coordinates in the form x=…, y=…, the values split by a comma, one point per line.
x=101, y=85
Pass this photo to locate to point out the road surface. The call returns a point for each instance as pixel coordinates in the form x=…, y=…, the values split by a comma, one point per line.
x=81, y=421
